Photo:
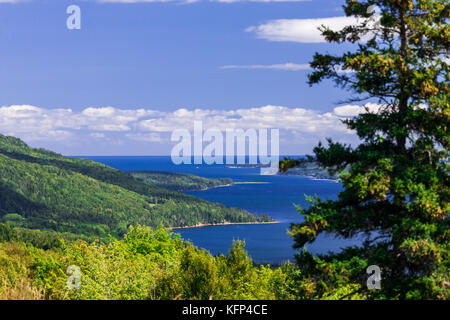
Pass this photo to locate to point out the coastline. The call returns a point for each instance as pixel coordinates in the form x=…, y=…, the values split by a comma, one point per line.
x=312, y=177
x=323, y=179
x=202, y=225
x=213, y=187
x=230, y=185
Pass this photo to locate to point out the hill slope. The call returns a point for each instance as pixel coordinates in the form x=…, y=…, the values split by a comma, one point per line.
x=46, y=190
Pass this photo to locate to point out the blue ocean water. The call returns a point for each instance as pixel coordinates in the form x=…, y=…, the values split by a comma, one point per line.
x=271, y=194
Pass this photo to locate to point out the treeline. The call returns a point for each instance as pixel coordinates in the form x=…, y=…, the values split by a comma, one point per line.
x=40, y=239
x=40, y=189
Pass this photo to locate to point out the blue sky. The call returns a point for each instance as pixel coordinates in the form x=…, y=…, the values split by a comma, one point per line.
x=136, y=71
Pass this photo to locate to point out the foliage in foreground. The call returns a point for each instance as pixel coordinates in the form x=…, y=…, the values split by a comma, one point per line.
x=145, y=264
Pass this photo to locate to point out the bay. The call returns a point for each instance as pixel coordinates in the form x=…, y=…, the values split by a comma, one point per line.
x=271, y=194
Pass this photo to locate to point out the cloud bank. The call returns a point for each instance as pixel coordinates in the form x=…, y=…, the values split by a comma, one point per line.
x=110, y=125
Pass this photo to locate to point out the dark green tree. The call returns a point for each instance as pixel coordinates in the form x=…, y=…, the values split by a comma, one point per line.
x=396, y=181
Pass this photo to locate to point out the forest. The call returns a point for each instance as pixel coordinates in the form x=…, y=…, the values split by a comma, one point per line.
x=40, y=189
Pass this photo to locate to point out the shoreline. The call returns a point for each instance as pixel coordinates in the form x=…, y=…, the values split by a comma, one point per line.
x=311, y=177
x=208, y=188
x=252, y=182
x=229, y=185
x=202, y=225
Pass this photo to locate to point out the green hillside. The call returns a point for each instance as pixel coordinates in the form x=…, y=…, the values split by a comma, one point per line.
x=40, y=189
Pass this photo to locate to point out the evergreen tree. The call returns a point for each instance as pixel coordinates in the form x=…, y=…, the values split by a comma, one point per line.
x=396, y=182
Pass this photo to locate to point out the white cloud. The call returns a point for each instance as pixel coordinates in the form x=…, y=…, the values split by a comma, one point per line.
x=36, y=123
x=98, y=135
x=283, y=66
x=145, y=137
x=99, y=112
x=114, y=127
x=270, y=116
x=354, y=110
x=299, y=30
x=18, y=112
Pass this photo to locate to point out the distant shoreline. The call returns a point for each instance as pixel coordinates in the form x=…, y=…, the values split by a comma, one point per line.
x=229, y=185
x=252, y=182
x=202, y=225
x=207, y=188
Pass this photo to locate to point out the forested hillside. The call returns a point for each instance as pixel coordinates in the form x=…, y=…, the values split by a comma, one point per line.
x=40, y=189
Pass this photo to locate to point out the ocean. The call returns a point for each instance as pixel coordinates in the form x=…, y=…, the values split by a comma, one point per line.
x=272, y=194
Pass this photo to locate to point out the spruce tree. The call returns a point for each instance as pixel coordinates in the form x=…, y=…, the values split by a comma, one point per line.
x=396, y=181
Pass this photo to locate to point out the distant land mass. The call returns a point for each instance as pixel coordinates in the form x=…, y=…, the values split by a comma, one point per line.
x=179, y=181
x=40, y=189
x=308, y=169
x=312, y=170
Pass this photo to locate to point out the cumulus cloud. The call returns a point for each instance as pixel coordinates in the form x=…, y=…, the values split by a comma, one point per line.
x=299, y=30
x=145, y=137
x=297, y=119
x=122, y=127
x=354, y=110
x=34, y=123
